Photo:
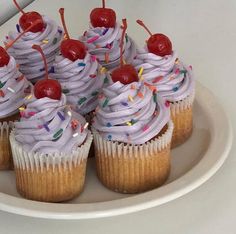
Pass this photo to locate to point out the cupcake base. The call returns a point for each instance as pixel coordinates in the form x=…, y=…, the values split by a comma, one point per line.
x=50, y=178
x=6, y=125
x=129, y=168
x=182, y=117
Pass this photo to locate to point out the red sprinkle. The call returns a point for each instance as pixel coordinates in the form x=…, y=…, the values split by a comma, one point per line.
x=74, y=124
x=92, y=76
x=167, y=103
x=2, y=93
x=157, y=79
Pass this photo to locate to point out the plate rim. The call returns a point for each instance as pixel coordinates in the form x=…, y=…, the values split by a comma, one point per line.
x=156, y=197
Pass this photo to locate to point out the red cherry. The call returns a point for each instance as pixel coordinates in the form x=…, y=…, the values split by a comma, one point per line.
x=70, y=48
x=73, y=49
x=158, y=44
x=48, y=88
x=103, y=17
x=29, y=18
x=4, y=57
x=126, y=74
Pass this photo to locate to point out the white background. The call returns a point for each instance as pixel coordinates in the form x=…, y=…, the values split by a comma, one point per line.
x=203, y=33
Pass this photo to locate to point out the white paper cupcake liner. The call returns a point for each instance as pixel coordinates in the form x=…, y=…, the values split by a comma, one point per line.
x=40, y=162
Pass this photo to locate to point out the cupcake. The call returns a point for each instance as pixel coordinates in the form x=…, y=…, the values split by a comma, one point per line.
x=50, y=146
x=160, y=66
x=13, y=88
x=79, y=74
x=104, y=36
x=132, y=134
x=45, y=33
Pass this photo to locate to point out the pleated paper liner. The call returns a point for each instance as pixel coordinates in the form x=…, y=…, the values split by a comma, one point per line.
x=182, y=117
x=6, y=124
x=128, y=168
x=50, y=178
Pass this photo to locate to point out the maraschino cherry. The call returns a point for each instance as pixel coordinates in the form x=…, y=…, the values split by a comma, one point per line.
x=70, y=48
x=158, y=43
x=126, y=73
x=103, y=17
x=4, y=56
x=47, y=87
x=28, y=18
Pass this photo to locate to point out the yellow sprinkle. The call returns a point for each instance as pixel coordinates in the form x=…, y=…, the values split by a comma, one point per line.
x=140, y=72
x=130, y=98
x=45, y=41
x=129, y=123
x=28, y=97
x=141, y=78
x=21, y=108
x=177, y=61
x=103, y=70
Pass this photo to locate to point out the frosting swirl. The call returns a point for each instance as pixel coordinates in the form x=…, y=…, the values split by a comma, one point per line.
x=130, y=113
x=104, y=43
x=13, y=89
x=81, y=81
x=48, y=126
x=31, y=64
x=173, y=80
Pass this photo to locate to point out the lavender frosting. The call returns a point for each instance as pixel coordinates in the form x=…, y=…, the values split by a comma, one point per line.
x=130, y=113
x=13, y=87
x=30, y=61
x=46, y=127
x=173, y=80
x=108, y=43
x=81, y=81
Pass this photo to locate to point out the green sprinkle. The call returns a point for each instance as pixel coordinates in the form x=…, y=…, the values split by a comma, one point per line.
x=95, y=93
x=58, y=133
x=2, y=84
x=126, y=38
x=133, y=121
x=54, y=41
x=105, y=103
x=105, y=80
x=82, y=100
x=183, y=72
x=155, y=97
x=65, y=91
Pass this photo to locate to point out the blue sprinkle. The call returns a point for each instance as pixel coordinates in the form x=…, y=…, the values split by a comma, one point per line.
x=18, y=28
x=52, y=70
x=109, y=125
x=81, y=64
x=175, y=89
x=46, y=127
x=105, y=31
x=124, y=103
x=109, y=137
x=41, y=69
x=61, y=116
x=60, y=31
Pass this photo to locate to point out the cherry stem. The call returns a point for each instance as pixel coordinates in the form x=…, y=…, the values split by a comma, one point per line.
x=61, y=11
x=103, y=4
x=39, y=49
x=20, y=35
x=124, y=28
x=140, y=22
x=18, y=7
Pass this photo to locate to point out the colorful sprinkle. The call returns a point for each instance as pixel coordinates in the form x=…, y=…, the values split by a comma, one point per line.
x=69, y=113
x=98, y=46
x=40, y=126
x=32, y=113
x=60, y=31
x=175, y=89
x=58, y=133
x=92, y=76
x=126, y=38
x=151, y=87
x=11, y=89
x=177, y=71
x=155, y=97
x=93, y=58
x=95, y=93
x=130, y=98
x=20, y=78
x=85, y=32
x=81, y=64
x=109, y=125
x=86, y=125
x=106, y=80
x=140, y=94
x=155, y=113
x=65, y=91
x=183, y=72
x=18, y=28
x=45, y=41
x=129, y=123
x=75, y=134
x=124, y=104
x=22, y=113
x=133, y=121
x=145, y=128
x=52, y=70
x=109, y=137
x=167, y=103
x=107, y=57
x=46, y=127
x=191, y=67
x=157, y=79
x=93, y=39
x=41, y=69
x=22, y=108
x=82, y=100
x=105, y=102
x=54, y=41
x=105, y=31
x=61, y=116
x=140, y=72
x=103, y=70
x=2, y=84
x=101, y=96
x=177, y=61
x=74, y=124
x=109, y=46
x=7, y=37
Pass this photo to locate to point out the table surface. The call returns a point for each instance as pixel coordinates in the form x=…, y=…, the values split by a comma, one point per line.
x=204, y=34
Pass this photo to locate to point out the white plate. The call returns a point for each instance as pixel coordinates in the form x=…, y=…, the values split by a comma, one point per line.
x=192, y=164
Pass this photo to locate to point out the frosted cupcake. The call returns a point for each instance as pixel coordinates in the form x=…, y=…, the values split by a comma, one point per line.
x=104, y=36
x=79, y=74
x=50, y=146
x=159, y=66
x=13, y=88
x=132, y=134
x=46, y=33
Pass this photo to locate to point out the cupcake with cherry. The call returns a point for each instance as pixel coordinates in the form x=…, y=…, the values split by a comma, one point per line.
x=104, y=36
x=79, y=73
x=45, y=33
x=132, y=132
x=13, y=89
x=51, y=142
x=160, y=66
